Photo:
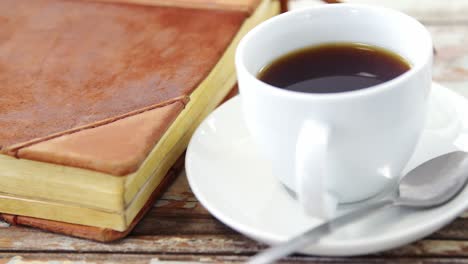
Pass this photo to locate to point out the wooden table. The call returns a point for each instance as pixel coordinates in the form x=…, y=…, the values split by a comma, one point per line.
x=178, y=228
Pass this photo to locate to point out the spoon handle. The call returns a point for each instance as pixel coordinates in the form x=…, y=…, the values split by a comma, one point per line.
x=315, y=233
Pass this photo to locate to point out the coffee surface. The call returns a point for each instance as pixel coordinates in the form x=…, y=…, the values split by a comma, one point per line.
x=334, y=68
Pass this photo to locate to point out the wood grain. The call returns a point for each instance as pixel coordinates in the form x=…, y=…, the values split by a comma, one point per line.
x=451, y=61
x=16, y=239
x=157, y=258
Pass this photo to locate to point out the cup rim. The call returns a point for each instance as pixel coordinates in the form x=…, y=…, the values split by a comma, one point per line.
x=371, y=90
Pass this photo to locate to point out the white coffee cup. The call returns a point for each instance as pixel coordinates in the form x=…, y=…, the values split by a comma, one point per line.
x=336, y=147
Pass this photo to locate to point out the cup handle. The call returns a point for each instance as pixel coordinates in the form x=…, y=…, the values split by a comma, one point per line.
x=311, y=170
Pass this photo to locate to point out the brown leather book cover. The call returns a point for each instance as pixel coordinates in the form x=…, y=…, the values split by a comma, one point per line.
x=69, y=67
x=95, y=84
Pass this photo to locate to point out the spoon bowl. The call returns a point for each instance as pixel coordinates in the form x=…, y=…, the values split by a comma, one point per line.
x=434, y=182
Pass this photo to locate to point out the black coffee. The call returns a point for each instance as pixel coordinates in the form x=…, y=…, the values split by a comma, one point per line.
x=334, y=68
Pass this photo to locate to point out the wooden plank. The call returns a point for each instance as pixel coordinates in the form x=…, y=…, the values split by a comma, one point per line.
x=451, y=61
x=179, y=199
x=43, y=258
x=156, y=223
x=427, y=11
x=431, y=248
x=15, y=239
x=457, y=230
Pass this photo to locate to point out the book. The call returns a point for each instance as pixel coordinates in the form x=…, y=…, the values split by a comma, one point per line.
x=101, y=98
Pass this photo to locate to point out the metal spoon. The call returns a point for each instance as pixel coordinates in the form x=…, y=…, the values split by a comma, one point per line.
x=431, y=184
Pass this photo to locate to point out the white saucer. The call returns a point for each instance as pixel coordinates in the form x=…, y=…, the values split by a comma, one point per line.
x=236, y=184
